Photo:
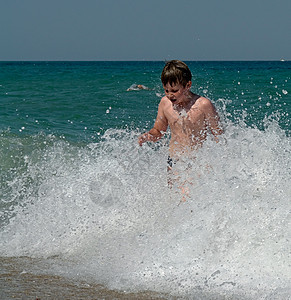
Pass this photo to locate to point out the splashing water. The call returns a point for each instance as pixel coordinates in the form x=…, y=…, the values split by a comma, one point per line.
x=103, y=211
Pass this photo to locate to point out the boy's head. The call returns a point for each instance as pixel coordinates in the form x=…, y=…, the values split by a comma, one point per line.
x=176, y=72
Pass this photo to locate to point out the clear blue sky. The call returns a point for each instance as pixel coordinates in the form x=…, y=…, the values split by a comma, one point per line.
x=145, y=30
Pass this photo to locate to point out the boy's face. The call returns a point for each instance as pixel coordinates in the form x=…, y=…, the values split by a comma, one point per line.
x=176, y=92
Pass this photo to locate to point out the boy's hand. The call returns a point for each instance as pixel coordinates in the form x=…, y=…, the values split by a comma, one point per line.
x=143, y=138
x=153, y=135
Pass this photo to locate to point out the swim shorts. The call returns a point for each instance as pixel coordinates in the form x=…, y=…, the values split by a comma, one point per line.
x=170, y=162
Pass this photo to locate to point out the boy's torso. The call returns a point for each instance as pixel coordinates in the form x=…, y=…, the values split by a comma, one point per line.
x=188, y=127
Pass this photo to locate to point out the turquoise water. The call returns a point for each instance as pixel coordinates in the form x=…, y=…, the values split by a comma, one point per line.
x=71, y=99
x=78, y=193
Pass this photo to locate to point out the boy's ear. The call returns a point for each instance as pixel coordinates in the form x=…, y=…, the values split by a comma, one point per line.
x=189, y=84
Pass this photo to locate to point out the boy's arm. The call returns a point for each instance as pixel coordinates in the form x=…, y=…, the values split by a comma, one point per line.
x=211, y=118
x=160, y=126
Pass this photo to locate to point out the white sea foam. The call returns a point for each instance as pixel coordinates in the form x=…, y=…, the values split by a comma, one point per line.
x=104, y=213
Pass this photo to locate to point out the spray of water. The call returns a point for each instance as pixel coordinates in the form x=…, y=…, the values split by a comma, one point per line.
x=104, y=212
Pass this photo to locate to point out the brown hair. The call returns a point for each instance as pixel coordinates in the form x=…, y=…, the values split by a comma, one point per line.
x=176, y=71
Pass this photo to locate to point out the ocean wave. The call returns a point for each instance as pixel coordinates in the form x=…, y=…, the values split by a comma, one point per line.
x=104, y=212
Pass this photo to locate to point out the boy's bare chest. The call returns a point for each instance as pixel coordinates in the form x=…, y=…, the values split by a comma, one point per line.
x=188, y=120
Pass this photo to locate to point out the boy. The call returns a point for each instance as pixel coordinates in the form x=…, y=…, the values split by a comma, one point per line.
x=188, y=115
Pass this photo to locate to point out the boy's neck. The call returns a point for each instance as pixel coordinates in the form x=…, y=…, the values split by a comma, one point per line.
x=189, y=100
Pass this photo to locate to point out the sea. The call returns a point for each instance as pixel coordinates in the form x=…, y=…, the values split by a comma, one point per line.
x=87, y=213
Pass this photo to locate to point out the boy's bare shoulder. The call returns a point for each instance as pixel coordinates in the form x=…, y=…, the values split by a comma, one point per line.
x=165, y=102
x=202, y=101
x=164, y=99
x=203, y=104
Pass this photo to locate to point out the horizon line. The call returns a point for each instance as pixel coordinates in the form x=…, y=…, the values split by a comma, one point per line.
x=155, y=60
